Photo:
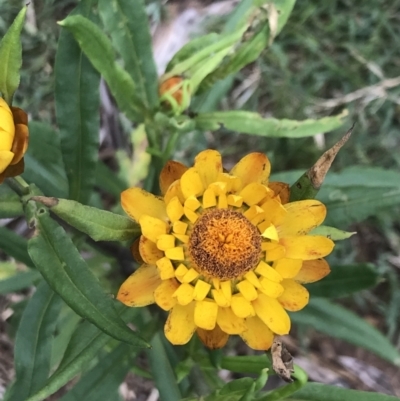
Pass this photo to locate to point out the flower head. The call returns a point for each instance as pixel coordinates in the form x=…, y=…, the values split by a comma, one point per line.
x=224, y=253
x=13, y=140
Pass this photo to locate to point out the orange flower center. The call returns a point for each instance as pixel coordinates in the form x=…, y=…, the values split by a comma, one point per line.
x=224, y=244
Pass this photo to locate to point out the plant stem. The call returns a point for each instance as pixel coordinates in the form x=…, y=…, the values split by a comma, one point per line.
x=18, y=185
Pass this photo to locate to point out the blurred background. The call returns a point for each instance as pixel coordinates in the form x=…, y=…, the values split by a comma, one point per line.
x=330, y=56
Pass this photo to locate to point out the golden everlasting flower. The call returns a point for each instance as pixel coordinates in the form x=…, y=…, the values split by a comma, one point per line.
x=14, y=136
x=224, y=253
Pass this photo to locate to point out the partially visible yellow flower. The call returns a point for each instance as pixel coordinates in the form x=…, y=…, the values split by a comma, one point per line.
x=224, y=253
x=14, y=136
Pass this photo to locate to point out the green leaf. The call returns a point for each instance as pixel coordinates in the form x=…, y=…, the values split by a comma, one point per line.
x=33, y=343
x=339, y=322
x=191, y=48
x=11, y=57
x=43, y=161
x=15, y=246
x=10, y=204
x=100, y=225
x=323, y=392
x=129, y=29
x=97, y=47
x=19, y=281
x=78, y=112
x=109, y=181
x=358, y=192
x=345, y=280
x=247, y=53
x=246, y=364
x=162, y=371
x=102, y=382
x=252, y=123
x=67, y=273
x=331, y=232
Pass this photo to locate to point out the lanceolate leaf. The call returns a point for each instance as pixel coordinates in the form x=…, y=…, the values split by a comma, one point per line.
x=67, y=273
x=15, y=246
x=97, y=47
x=102, y=382
x=323, y=392
x=345, y=280
x=11, y=57
x=84, y=345
x=78, y=115
x=128, y=26
x=19, y=281
x=100, y=225
x=252, y=123
x=339, y=322
x=33, y=343
x=43, y=161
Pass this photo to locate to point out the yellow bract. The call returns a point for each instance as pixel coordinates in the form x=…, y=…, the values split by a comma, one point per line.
x=225, y=253
x=13, y=140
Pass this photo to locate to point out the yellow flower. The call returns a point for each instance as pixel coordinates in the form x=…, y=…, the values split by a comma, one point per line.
x=14, y=136
x=224, y=253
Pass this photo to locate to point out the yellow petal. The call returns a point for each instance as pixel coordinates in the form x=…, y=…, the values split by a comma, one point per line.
x=229, y=322
x=209, y=198
x=271, y=312
x=302, y=217
x=137, y=202
x=265, y=270
x=274, y=211
x=201, y=289
x=271, y=288
x=220, y=299
x=165, y=241
x=163, y=295
x=313, y=270
x=209, y=165
x=205, y=314
x=241, y=307
x=191, y=215
x=152, y=227
x=138, y=289
x=191, y=183
x=273, y=251
x=222, y=202
x=234, y=200
x=255, y=167
x=247, y=290
x=252, y=278
x=148, y=251
x=294, y=297
x=165, y=268
x=179, y=227
x=287, y=268
x=171, y=172
x=270, y=233
x=184, y=294
x=307, y=247
x=189, y=276
x=281, y=189
x=174, y=190
x=5, y=159
x=181, y=271
x=175, y=253
x=213, y=339
x=180, y=326
x=257, y=335
x=192, y=203
x=21, y=137
x=7, y=127
x=253, y=193
x=174, y=209
x=226, y=288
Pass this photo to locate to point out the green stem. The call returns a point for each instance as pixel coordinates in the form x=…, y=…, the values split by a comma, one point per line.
x=18, y=185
